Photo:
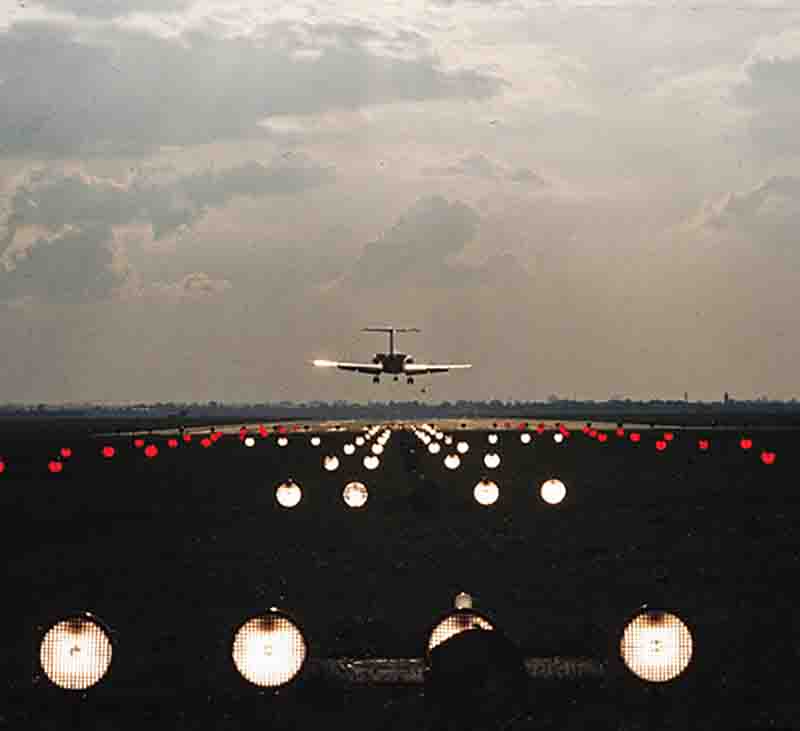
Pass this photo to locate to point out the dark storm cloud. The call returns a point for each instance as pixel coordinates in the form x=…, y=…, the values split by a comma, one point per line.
x=126, y=92
x=53, y=200
x=772, y=90
x=417, y=250
x=75, y=266
x=113, y=8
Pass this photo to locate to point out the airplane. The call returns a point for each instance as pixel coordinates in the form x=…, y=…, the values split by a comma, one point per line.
x=391, y=363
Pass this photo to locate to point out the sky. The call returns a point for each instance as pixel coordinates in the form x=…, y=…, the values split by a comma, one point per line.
x=585, y=199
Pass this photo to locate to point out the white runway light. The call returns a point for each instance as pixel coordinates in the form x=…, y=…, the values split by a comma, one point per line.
x=558, y=437
x=452, y=461
x=656, y=646
x=249, y=442
x=269, y=651
x=553, y=491
x=331, y=463
x=462, y=447
x=315, y=441
x=493, y=439
x=288, y=494
x=486, y=492
x=359, y=441
x=377, y=449
x=282, y=441
x=75, y=653
x=434, y=447
x=355, y=494
x=525, y=438
x=491, y=460
x=349, y=449
x=371, y=462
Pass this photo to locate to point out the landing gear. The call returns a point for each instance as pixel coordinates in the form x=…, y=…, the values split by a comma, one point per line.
x=376, y=379
x=410, y=381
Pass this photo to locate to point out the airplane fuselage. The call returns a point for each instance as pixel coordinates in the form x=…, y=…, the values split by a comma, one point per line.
x=393, y=363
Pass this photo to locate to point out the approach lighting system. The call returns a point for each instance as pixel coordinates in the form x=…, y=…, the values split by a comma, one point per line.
x=331, y=463
x=656, y=646
x=355, y=494
x=456, y=622
x=75, y=653
x=462, y=447
x=452, y=461
x=492, y=460
x=553, y=491
x=269, y=650
x=288, y=494
x=486, y=492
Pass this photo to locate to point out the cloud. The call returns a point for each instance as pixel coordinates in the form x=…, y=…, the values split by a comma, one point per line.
x=479, y=166
x=772, y=92
x=118, y=91
x=420, y=250
x=114, y=8
x=526, y=175
x=197, y=285
x=78, y=265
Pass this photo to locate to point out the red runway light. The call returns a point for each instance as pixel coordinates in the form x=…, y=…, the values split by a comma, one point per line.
x=668, y=436
x=620, y=431
x=602, y=437
x=768, y=457
x=746, y=443
x=66, y=452
x=172, y=443
x=2, y=467
x=661, y=445
x=592, y=433
x=138, y=443
x=108, y=452
x=205, y=442
x=150, y=451
x=635, y=436
x=187, y=438
x=55, y=466
x=262, y=431
x=703, y=444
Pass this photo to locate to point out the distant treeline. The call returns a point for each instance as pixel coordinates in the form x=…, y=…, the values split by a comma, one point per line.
x=657, y=411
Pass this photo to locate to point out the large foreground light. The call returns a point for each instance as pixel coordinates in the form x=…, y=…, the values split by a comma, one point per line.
x=76, y=653
x=656, y=646
x=355, y=494
x=486, y=492
x=288, y=494
x=269, y=650
x=455, y=623
x=491, y=460
x=553, y=491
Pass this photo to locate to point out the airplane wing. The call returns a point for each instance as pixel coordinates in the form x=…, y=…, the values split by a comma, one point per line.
x=417, y=369
x=373, y=368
